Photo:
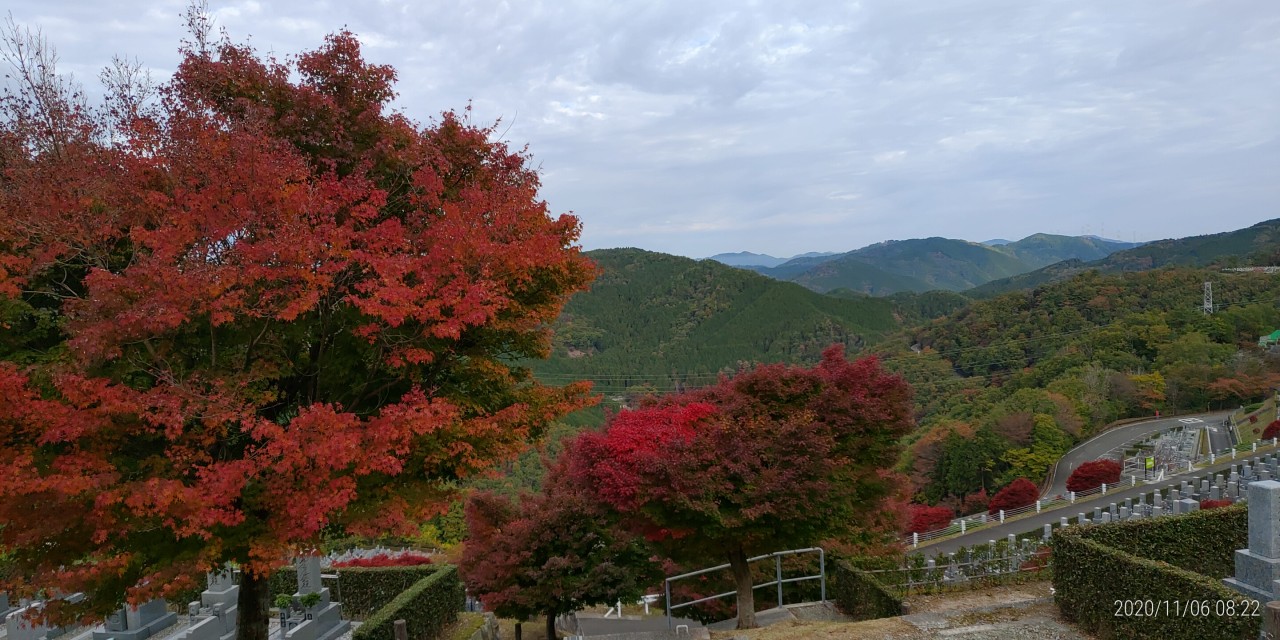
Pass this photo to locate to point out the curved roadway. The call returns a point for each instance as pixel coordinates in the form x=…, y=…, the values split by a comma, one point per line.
x=1099, y=445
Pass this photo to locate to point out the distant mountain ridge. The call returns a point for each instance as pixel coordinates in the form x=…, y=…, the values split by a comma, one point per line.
x=1256, y=245
x=924, y=264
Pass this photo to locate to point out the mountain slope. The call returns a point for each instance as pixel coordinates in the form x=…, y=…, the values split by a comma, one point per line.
x=855, y=275
x=666, y=320
x=940, y=263
x=1256, y=245
x=747, y=259
x=1043, y=249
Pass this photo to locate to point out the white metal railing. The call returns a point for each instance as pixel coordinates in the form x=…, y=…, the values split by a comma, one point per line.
x=979, y=521
x=779, y=581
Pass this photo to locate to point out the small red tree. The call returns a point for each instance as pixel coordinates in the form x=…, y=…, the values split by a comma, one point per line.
x=926, y=518
x=1019, y=493
x=975, y=502
x=1214, y=504
x=1272, y=430
x=774, y=458
x=1093, y=474
x=550, y=554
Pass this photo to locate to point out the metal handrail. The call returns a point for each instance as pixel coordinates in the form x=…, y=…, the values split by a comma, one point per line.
x=777, y=558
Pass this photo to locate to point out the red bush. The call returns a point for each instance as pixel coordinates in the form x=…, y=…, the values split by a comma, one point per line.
x=1214, y=504
x=1272, y=430
x=975, y=502
x=1019, y=493
x=1092, y=475
x=926, y=518
x=383, y=560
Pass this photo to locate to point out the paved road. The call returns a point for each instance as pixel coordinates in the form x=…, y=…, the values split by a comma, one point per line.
x=1099, y=445
x=1037, y=521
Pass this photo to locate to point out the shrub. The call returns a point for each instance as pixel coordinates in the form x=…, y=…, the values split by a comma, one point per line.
x=926, y=518
x=859, y=595
x=1091, y=475
x=1019, y=493
x=1272, y=430
x=361, y=590
x=1214, y=504
x=410, y=559
x=429, y=606
x=975, y=502
x=1094, y=568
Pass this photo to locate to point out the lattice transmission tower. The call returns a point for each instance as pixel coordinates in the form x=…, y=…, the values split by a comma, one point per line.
x=1208, y=298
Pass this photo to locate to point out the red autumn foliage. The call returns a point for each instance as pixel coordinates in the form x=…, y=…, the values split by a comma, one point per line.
x=1272, y=430
x=1019, y=493
x=1093, y=474
x=1214, y=504
x=550, y=553
x=926, y=518
x=279, y=308
x=975, y=502
x=775, y=457
x=387, y=560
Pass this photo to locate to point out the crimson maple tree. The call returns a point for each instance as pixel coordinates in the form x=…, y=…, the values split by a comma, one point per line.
x=550, y=553
x=1020, y=493
x=1093, y=474
x=257, y=306
x=775, y=458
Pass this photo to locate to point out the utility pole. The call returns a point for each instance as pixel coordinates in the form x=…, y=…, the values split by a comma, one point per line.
x=1208, y=298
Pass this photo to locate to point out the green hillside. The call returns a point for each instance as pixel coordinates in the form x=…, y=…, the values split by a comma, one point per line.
x=1258, y=245
x=941, y=263
x=1043, y=249
x=662, y=321
x=854, y=275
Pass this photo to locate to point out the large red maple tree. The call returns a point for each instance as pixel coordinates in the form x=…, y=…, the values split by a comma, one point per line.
x=774, y=458
x=251, y=307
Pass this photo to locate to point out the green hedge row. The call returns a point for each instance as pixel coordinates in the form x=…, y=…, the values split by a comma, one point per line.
x=1093, y=583
x=859, y=595
x=1203, y=542
x=429, y=606
x=361, y=590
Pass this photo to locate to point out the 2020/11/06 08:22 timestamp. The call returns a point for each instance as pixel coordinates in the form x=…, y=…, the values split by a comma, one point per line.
x=1187, y=608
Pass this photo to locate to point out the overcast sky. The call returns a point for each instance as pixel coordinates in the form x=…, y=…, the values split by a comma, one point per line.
x=697, y=127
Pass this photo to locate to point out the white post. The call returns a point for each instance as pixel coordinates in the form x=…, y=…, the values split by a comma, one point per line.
x=962, y=525
x=1037, y=506
x=915, y=539
x=1071, y=495
x=1002, y=515
x=1133, y=481
x=1212, y=458
x=1104, y=488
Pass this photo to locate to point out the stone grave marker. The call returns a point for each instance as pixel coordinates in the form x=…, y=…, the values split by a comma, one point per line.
x=1258, y=567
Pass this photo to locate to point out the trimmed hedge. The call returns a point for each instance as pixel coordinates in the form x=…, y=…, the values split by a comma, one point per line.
x=429, y=606
x=859, y=595
x=361, y=590
x=1203, y=542
x=1093, y=579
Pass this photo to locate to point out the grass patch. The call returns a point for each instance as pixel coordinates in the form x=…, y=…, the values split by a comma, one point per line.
x=466, y=625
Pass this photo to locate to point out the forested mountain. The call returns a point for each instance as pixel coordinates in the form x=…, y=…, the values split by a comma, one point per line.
x=658, y=321
x=925, y=264
x=1255, y=245
x=747, y=259
x=1043, y=249
x=1005, y=385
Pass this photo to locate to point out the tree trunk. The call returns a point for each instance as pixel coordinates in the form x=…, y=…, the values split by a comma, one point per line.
x=551, y=626
x=253, y=607
x=746, y=595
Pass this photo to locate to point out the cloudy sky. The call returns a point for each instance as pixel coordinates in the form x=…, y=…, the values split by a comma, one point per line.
x=697, y=127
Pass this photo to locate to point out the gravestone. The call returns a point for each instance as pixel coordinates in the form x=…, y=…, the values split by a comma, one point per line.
x=1124, y=513
x=136, y=623
x=1258, y=567
x=5, y=609
x=1062, y=523
x=1156, y=499
x=1187, y=505
x=321, y=621
x=1097, y=513
x=18, y=627
x=215, y=615
x=1048, y=531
